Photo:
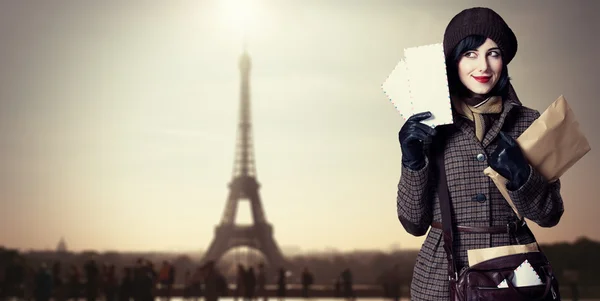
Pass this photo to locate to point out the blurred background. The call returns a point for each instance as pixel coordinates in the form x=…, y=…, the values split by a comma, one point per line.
x=118, y=124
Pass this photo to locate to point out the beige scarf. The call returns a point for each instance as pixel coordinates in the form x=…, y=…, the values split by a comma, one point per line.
x=491, y=105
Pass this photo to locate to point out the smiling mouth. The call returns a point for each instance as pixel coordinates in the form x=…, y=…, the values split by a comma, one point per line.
x=482, y=79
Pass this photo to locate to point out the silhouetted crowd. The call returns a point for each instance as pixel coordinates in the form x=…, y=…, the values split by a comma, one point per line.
x=94, y=281
x=142, y=281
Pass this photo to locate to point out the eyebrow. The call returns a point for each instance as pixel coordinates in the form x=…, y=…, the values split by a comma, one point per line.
x=491, y=49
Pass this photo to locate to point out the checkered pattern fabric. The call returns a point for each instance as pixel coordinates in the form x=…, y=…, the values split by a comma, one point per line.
x=418, y=202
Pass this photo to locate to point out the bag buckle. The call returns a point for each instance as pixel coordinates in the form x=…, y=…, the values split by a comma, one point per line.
x=514, y=226
x=455, y=277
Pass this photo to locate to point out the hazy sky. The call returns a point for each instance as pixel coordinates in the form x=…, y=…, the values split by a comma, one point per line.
x=118, y=118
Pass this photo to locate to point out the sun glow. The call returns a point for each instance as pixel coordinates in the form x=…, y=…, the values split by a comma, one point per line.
x=241, y=17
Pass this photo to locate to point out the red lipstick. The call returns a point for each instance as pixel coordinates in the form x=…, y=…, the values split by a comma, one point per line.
x=482, y=79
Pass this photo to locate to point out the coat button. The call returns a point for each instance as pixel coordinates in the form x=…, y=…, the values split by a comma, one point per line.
x=480, y=157
x=479, y=198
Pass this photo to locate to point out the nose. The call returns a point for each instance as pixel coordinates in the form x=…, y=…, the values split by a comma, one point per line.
x=483, y=63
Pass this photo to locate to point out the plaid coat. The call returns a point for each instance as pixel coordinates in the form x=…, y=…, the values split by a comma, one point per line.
x=418, y=202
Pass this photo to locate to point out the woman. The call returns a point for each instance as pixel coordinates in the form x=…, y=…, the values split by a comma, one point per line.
x=488, y=116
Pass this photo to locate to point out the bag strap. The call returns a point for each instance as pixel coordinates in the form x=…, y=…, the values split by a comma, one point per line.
x=445, y=207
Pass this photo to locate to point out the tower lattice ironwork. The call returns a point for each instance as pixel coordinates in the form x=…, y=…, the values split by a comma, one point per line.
x=244, y=186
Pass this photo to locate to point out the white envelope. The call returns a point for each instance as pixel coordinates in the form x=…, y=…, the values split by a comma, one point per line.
x=428, y=83
x=396, y=89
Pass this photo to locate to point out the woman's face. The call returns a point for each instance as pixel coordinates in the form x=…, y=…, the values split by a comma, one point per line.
x=479, y=70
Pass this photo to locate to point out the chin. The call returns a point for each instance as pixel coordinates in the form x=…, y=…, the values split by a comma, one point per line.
x=480, y=90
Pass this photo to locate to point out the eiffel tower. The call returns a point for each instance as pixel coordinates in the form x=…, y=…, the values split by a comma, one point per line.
x=244, y=186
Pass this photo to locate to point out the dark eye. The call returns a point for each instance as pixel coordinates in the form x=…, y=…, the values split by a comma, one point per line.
x=470, y=54
x=494, y=53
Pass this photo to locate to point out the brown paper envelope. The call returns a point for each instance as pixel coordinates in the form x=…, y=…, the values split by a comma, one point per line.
x=554, y=142
x=479, y=255
x=551, y=144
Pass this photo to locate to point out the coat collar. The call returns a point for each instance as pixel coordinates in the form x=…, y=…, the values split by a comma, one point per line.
x=467, y=128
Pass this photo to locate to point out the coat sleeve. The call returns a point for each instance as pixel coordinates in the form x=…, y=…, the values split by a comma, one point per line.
x=539, y=200
x=414, y=200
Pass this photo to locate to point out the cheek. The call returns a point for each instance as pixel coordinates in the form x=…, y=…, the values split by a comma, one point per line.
x=496, y=66
x=464, y=71
x=461, y=66
x=467, y=67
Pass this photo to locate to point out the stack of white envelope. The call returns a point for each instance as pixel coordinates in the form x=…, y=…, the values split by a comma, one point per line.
x=419, y=83
x=524, y=275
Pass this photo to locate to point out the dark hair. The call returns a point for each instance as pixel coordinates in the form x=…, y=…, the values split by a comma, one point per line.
x=455, y=86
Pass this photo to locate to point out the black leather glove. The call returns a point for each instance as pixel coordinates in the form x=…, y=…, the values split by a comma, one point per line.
x=412, y=135
x=509, y=162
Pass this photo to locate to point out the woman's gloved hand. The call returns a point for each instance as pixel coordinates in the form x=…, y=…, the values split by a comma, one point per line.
x=411, y=136
x=509, y=162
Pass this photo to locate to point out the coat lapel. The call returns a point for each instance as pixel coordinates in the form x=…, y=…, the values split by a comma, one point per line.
x=466, y=126
x=497, y=125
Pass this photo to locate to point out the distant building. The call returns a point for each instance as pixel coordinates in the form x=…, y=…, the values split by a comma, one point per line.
x=62, y=246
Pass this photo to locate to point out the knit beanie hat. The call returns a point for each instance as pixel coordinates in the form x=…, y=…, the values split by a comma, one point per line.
x=480, y=21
